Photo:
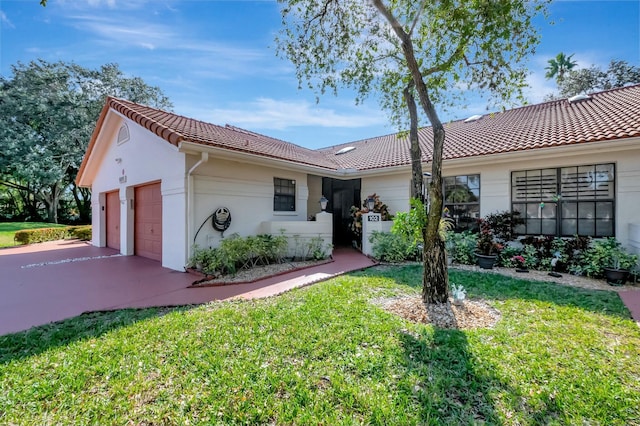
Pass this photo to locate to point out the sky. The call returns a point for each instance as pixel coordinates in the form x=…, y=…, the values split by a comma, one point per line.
x=216, y=59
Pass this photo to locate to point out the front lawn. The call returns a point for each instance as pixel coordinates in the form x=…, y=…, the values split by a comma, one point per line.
x=8, y=230
x=328, y=354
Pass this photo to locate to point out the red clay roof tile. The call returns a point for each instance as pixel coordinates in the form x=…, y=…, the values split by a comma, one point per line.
x=613, y=114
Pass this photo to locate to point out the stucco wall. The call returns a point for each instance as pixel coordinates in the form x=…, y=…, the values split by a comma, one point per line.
x=247, y=191
x=495, y=181
x=393, y=190
x=142, y=159
x=315, y=193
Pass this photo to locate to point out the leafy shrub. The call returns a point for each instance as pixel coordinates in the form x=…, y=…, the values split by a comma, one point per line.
x=605, y=253
x=31, y=236
x=317, y=250
x=83, y=233
x=505, y=259
x=503, y=223
x=236, y=253
x=393, y=247
x=463, y=246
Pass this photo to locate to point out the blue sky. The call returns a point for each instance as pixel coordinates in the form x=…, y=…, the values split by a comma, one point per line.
x=216, y=59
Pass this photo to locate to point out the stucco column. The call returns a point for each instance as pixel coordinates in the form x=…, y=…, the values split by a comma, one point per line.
x=370, y=222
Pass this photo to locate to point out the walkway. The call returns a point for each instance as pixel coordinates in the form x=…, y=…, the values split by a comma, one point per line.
x=48, y=282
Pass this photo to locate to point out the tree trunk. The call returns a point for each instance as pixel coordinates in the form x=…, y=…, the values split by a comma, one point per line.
x=51, y=201
x=82, y=197
x=434, y=274
x=417, y=180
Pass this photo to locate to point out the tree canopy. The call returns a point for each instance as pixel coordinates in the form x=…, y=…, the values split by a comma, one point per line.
x=595, y=79
x=435, y=50
x=559, y=66
x=47, y=114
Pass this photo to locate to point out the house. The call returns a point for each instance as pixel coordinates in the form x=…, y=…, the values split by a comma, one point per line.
x=570, y=166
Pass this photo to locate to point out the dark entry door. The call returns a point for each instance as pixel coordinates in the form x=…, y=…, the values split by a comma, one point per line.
x=342, y=195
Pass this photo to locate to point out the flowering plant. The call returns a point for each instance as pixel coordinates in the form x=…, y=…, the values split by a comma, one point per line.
x=519, y=261
x=487, y=245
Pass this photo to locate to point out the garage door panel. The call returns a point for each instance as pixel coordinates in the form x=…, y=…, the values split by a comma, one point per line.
x=148, y=221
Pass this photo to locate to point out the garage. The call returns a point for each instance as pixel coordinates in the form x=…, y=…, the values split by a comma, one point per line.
x=112, y=211
x=148, y=221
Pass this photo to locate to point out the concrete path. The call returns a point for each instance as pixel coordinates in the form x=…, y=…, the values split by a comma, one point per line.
x=48, y=282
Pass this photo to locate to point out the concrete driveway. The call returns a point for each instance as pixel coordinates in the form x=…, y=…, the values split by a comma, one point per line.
x=48, y=282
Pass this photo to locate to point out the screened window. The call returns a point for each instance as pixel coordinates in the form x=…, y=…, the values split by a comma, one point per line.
x=462, y=199
x=566, y=201
x=284, y=195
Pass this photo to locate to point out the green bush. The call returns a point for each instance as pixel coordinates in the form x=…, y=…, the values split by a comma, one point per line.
x=40, y=235
x=605, y=253
x=392, y=247
x=317, y=250
x=83, y=233
x=462, y=246
x=237, y=253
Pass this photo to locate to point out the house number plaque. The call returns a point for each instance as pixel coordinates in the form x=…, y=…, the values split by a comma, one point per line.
x=373, y=218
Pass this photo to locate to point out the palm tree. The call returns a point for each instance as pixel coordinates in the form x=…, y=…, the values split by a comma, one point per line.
x=559, y=65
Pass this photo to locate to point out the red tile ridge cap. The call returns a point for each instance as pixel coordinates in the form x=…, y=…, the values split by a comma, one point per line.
x=150, y=124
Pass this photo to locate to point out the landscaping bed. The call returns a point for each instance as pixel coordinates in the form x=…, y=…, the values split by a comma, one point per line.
x=254, y=274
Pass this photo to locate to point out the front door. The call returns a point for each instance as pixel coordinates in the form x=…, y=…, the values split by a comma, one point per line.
x=342, y=195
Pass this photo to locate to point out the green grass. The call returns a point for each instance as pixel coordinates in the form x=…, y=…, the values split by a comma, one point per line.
x=8, y=230
x=327, y=355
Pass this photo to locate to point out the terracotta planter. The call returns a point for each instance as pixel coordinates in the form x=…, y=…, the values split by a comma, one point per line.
x=616, y=276
x=486, y=261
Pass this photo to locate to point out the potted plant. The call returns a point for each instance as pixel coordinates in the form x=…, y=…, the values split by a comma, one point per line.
x=606, y=257
x=619, y=265
x=520, y=263
x=487, y=248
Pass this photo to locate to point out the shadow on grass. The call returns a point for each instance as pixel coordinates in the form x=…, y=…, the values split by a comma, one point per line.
x=24, y=344
x=455, y=388
x=500, y=287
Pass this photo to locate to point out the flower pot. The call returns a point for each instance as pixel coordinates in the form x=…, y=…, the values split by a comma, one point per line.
x=616, y=276
x=486, y=261
x=522, y=270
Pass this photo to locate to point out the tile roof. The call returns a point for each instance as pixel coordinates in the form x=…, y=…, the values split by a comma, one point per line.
x=613, y=114
x=176, y=128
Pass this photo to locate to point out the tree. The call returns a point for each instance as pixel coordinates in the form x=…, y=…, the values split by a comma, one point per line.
x=433, y=50
x=594, y=79
x=559, y=66
x=47, y=115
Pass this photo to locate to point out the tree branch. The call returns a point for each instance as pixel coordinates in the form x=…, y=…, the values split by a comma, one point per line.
x=417, y=17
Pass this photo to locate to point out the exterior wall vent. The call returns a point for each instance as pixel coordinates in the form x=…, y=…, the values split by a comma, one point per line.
x=345, y=150
x=123, y=134
x=473, y=118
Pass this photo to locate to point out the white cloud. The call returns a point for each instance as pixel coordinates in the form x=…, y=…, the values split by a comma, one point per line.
x=5, y=20
x=266, y=113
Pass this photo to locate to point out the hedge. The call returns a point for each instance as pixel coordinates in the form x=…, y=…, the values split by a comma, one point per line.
x=40, y=235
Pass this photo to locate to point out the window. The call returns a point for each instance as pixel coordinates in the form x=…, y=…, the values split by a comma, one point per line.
x=284, y=195
x=566, y=201
x=462, y=199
